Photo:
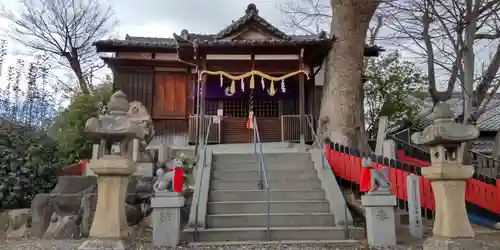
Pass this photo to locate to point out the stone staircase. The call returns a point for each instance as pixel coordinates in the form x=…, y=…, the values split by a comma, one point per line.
x=236, y=210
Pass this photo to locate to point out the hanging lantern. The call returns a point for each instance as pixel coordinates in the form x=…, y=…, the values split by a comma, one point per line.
x=262, y=83
x=283, y=87
x=242, y=85
x=221, y=81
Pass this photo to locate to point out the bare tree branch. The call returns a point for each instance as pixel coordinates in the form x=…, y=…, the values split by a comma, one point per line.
x=63, y=29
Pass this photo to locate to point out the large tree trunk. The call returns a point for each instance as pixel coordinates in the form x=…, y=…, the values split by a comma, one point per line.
x=341, y=93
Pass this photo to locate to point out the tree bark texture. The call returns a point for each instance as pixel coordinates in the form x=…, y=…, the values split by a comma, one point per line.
x=341, y=93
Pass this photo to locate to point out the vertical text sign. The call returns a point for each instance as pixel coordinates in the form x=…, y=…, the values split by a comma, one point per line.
x=414, y=209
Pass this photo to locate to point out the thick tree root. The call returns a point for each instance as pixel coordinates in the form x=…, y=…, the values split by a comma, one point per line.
x=355, y=207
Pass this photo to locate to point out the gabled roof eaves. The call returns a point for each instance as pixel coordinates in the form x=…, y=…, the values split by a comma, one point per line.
x=251, y=14
x=136, y=41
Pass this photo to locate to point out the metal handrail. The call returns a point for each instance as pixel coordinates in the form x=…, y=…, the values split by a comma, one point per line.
x=205, y=143
x=309, y=122
x=263, y=181
x=427, y=151
x=204, y=147
x=320, y=145
x=323, y=157
x=409, y=143
x=479, y=165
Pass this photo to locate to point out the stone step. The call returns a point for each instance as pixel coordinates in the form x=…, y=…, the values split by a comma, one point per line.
x=251, y=175
x=250, y=207
x=270, y=166
x=275, y=233
x=309, y=183
x=260, y=195
x=270, y=157
x=276, y=220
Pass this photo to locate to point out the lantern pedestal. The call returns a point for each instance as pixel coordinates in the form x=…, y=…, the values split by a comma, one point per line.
x=109, y=227
x=448, y=184
x=166, y=218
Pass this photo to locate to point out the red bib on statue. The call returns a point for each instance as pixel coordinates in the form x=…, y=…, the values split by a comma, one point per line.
x=365, y=180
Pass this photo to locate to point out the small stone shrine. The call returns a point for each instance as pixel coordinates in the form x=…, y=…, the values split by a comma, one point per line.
x=117, y=130
x=445, y=138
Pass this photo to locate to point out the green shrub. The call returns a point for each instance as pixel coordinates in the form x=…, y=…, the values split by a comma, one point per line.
x=29, y=164
x=68, y=129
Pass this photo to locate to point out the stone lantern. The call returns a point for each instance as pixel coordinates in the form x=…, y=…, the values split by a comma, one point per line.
x=445, y=139
x=117, y=130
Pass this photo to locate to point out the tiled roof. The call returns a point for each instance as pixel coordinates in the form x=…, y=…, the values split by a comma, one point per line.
x=146, y=42
x=251, y=16
x=489, y=121
x=483, y=145
x=156, y=42
x=209, y=39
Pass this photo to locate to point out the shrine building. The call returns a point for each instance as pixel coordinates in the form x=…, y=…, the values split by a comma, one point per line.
x=248, y=68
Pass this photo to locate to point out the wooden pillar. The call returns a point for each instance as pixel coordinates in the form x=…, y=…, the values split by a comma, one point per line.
x=201, y=115
x=301, y=98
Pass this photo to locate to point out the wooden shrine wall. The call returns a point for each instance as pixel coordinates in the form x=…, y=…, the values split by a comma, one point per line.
x=168, y=96
x=137, y=84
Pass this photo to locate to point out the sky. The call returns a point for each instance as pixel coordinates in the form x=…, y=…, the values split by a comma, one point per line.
x=161, y=18
x=165, y=17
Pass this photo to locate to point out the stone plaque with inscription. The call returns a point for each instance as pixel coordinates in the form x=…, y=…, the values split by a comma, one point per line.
x=414, y=207
x=380, y=225
x=166, y=219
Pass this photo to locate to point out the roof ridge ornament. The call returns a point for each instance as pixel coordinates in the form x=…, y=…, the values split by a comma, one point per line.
x=251, y=9
x=185, y=34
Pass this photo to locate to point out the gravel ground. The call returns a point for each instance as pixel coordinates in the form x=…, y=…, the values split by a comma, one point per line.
x=405, y=242
x=67, y=245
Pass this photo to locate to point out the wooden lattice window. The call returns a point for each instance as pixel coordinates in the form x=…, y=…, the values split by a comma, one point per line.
x=290, y=107
x=211, y=107
x=235, y=108
x=266, y=108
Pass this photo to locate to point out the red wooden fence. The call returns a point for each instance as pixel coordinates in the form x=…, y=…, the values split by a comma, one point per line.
x=347, y=165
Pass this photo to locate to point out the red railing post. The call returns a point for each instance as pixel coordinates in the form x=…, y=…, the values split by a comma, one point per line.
x=497, y=194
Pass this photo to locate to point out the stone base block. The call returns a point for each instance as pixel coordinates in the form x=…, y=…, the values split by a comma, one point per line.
x=380, y=224
x=104, y=244
x=438, y=243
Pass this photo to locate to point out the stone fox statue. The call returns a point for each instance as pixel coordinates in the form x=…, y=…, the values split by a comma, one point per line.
x=373, y=179
x=165, y=172
x=164, y=179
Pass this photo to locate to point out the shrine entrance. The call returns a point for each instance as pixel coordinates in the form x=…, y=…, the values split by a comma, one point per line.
x=236, y=112
x=236, y=107
x=236, y=101
x=273, y=101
